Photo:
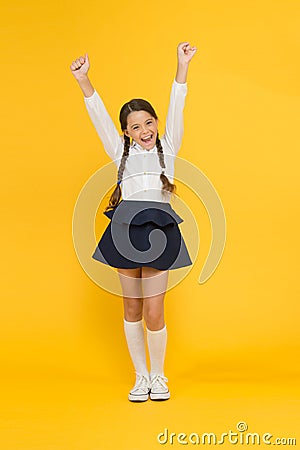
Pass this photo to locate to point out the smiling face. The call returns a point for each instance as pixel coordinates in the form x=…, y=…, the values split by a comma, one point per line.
x=142, y=128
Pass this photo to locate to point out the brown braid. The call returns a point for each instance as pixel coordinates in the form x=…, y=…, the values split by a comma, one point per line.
x=116, y=195
x=167, y=185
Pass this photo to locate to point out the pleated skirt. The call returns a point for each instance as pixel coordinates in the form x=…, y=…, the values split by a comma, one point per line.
x=142, y=233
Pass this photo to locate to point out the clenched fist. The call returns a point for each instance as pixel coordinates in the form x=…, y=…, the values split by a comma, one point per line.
x=185, y=52
x=80, y=66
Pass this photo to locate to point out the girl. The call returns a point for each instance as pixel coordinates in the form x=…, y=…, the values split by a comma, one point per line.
x=145, y=165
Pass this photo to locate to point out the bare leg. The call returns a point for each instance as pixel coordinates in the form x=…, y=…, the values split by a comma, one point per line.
x=132, y=293
x=154, y=286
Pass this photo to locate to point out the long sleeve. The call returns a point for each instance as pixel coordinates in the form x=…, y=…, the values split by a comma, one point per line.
x=174, y=122
x=104, y=125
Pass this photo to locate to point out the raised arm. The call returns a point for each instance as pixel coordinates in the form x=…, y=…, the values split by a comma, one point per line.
x=174, y=122
x=184, y=55
x=102, y=121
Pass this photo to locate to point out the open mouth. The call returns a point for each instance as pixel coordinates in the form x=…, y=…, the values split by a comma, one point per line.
x=147, y=139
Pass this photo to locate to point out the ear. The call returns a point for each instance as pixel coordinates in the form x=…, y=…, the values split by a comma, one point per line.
x=126, y=133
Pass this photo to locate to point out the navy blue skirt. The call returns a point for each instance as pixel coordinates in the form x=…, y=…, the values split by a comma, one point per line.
x=143, y=233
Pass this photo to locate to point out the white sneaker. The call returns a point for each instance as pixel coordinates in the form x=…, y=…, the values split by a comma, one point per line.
x=158, y=388
x=141, y=389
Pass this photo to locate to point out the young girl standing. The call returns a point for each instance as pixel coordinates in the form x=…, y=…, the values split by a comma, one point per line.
x=142, y=240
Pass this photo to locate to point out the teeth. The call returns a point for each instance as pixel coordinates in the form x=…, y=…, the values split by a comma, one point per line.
x=147, y=138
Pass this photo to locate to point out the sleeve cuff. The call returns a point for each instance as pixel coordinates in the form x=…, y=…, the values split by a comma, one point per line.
x=91, y=96
x=180, y=84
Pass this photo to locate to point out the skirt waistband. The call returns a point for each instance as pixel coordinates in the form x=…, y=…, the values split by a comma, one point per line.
x=139, y=212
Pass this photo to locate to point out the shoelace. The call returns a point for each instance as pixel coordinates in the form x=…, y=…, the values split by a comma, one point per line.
x=160, y=380
x=141, y=383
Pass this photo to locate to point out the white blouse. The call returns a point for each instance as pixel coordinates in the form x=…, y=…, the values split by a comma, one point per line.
x=141, y=177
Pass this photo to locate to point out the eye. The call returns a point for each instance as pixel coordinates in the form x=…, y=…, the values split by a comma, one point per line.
x=135, y=128
x=149, y=122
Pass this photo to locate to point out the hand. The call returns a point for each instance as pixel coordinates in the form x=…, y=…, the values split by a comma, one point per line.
x=80, y=66
x=185, y=52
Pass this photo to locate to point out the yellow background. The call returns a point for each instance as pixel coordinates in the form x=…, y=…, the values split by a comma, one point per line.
x=233, y=342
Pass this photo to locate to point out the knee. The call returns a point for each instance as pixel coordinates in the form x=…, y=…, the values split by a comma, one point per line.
x=154, y=319
x=133, y=310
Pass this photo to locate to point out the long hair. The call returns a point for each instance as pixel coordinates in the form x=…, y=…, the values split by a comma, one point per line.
x=137, y=104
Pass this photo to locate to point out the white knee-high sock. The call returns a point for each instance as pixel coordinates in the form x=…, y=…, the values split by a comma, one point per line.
x=134, y=332
x=157, y=341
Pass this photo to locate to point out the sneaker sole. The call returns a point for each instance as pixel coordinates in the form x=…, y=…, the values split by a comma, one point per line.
x=161, y=396
x=138, y=398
